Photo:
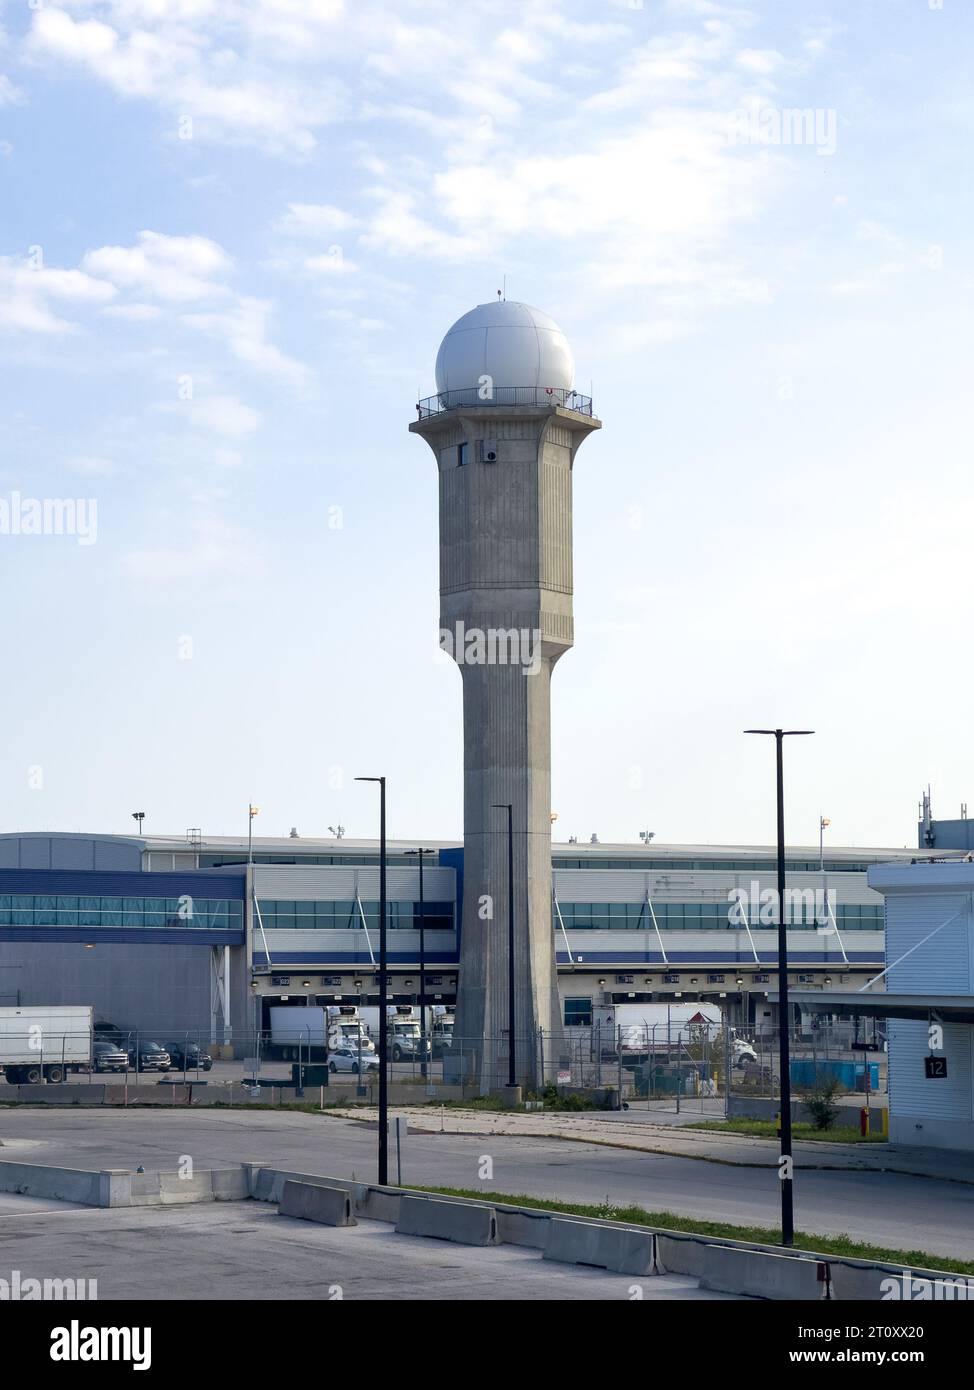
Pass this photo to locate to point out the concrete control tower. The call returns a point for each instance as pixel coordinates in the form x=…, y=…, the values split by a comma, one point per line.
x=504, y=427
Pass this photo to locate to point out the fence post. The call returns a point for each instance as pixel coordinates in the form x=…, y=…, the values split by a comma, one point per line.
x=727, y=1068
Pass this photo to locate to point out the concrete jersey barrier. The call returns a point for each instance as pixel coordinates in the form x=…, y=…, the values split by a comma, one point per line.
x=604, y=1247
x=87, y=1188
x=759, y=1274
x=462, y=1222
x=309, y=1201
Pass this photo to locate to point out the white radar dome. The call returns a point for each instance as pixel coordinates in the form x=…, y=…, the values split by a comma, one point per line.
x=504, y=348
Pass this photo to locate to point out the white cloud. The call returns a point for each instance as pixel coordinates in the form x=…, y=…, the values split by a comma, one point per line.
x=226, y=416
x=314, y=219
x=27, y=292
x=333, y=262
x=134, y=313
x=763, y=61
x=176, y=268
x=9, y=94
x=92, y=467
x=197, y=60
x=395, y=227
x=243, y=330
x=212, y=550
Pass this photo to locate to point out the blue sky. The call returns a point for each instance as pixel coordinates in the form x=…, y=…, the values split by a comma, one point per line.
x=232, y=235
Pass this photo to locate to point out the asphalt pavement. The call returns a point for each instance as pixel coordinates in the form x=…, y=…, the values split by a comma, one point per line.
x=889, y=1209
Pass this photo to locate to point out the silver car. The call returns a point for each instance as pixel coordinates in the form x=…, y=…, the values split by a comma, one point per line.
x=346, y=1059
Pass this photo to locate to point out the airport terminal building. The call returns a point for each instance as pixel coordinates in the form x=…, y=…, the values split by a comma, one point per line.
x=182, y=932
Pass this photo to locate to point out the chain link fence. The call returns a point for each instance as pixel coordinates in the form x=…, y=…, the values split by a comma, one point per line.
x=712, y=1071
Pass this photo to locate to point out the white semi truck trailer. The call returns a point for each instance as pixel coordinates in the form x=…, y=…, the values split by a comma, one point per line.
x=44, y=1042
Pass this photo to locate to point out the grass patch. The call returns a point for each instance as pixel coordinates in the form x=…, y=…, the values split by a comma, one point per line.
x=767, y=1129
x=763, y=1235
x=554, y=1101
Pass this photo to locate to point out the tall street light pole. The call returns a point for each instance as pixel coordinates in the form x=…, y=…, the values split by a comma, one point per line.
x=784, y=1057
x=251, y=812
x=422, y=960
x=383, y=990
x=511, y=1068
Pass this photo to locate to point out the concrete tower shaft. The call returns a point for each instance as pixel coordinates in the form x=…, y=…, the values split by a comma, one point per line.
x=505, y=485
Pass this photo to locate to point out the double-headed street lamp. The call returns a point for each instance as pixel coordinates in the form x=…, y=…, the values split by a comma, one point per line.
x=383, y=989
x=422, y=959
x=784, y=1058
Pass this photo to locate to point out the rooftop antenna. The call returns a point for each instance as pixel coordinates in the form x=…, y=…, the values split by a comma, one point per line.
x=926, y=819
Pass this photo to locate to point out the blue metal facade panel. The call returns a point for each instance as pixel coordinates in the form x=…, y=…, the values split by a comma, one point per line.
x=822, y=959
x=353, y=958
x=453, y=859
x=126, y=936
x=209, y=883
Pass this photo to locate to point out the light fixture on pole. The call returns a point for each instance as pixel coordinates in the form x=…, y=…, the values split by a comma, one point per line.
x=739, y=981
x=140, y=817
x=784, y=1058
x=383, y=989
x=823, y=821
x=251, y=812
x=422, y=961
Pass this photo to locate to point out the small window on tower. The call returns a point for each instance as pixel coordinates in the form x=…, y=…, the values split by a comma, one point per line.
x=461, y=454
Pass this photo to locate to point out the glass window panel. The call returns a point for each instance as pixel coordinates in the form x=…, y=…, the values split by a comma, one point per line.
x=578, y=1013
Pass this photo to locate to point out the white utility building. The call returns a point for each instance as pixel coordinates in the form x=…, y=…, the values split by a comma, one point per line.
x=926, y=994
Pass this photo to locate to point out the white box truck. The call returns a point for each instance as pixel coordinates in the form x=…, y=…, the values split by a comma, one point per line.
x=640, y=1031
x=44, y=1042
x=308, y=1033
